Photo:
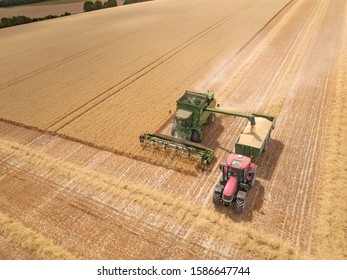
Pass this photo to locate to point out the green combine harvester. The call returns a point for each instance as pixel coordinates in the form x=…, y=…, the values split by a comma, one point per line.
x=194, y=110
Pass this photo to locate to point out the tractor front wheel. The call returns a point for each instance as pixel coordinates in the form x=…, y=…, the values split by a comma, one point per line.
x=217, y=198
x=240, y=205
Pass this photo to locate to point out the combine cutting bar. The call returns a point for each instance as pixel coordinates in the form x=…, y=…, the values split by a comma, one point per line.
x=184, y=146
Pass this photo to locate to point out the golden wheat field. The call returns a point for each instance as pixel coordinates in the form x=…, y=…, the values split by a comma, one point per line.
x=76, y=93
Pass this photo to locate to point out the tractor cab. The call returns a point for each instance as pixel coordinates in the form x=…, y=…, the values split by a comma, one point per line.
x=238, y=176
x=236, y=166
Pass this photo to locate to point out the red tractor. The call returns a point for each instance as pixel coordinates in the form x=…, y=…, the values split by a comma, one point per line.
x=238, y=176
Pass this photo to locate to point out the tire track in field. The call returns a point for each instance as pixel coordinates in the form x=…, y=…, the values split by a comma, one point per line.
x=273, y=74
x=300, y=192
x=65, y=60
x=283, y=57
x=278, y=130
x=307, y=172
x=253, y=52
x=308, y=175
x=297, y=47
x=299, y=42
x=331, y=209
x=325, y=93
x=106, y=94
x=301, y=46
x=264, y=85
x=328, y=36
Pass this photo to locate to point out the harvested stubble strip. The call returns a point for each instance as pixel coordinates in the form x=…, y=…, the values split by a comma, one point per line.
x=41, y=246
x=259, y=244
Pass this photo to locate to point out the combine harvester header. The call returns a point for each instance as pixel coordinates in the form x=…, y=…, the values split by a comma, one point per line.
x=193, y=111
x=187, y=147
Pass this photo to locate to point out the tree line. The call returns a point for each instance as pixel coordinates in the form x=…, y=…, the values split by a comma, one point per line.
x=90, y=6
x=8, y=3
x=17, y=20
x=97, y=5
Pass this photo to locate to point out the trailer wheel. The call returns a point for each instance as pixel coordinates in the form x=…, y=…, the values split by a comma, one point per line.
x=266, y=144
x=240, y=205
x=211, y=118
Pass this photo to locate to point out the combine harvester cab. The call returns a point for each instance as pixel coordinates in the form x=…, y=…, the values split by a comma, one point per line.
x=191, y=115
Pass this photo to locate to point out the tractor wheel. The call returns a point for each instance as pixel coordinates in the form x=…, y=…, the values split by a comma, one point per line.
x=221, y=180
x=245, y=187
x=217, y=198
x=253, y=180
x=211, y=119
x=240, y=205
x=195, y=136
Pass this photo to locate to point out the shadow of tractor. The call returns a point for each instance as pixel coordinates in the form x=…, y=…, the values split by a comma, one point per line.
x=268, y=161
x=254, y=203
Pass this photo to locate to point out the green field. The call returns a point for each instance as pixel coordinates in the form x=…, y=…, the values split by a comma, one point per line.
x=54, y=2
